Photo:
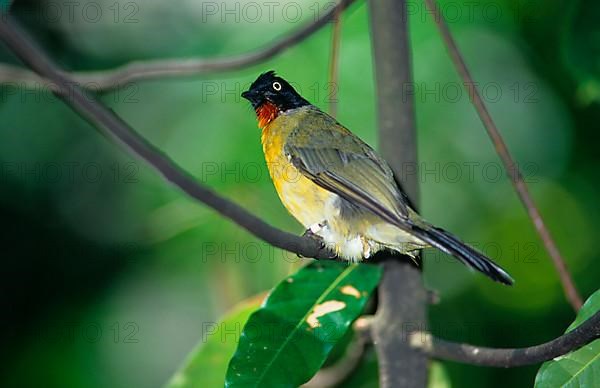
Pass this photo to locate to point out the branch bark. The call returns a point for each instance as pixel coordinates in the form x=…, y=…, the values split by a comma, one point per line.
x=114, y=127
x=168, y=68
x=402, y=298
x=508, y=358
x=514, y=173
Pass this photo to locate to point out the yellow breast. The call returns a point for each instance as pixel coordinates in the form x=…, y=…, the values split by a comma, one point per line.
x=300, y=196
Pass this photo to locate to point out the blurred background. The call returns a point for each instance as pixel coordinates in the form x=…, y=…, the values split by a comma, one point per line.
x=109, y=274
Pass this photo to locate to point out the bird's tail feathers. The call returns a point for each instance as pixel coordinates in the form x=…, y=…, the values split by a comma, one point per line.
x=447, y=243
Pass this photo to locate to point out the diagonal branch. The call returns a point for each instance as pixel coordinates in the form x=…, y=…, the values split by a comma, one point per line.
x=112, y=125
x=169, y=68
x=511, y=167
x=508, y=358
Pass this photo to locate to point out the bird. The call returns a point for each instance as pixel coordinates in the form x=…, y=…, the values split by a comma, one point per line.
x=339, y=188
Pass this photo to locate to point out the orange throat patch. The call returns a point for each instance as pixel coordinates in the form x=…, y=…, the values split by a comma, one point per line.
x=266, y=113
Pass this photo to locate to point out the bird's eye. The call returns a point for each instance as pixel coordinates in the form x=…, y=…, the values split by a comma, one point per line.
x=276, y=86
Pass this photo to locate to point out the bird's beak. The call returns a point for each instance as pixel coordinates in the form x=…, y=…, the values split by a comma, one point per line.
x=250, y=95
x=254, y=98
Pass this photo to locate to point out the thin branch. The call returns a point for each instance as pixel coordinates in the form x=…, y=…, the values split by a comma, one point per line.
x=336, y=36
x=502, y=150
x=508, y=358
x=167, y=68
x=18, y=41
x=583, y=334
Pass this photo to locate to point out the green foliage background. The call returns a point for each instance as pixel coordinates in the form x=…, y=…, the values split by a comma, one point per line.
x=110, y=280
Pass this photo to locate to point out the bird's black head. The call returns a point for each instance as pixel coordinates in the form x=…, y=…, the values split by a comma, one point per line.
x=269, y=88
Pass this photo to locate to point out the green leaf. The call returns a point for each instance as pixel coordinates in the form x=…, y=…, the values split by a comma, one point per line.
x=286, y=341
x=580, y=368
x=207, y=364
x=438, y=376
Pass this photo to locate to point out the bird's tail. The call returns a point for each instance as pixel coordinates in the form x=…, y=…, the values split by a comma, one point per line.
x=447, y=243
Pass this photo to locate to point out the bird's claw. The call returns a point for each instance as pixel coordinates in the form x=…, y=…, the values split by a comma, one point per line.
x=309, y=233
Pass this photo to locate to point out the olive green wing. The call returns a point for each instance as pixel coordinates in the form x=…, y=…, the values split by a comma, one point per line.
x=340, y=162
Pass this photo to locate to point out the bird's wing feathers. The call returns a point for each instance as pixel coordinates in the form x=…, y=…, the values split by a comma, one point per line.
x=341, y=163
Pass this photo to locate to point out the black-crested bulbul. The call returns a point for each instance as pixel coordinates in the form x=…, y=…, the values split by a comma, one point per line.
x=338, y=187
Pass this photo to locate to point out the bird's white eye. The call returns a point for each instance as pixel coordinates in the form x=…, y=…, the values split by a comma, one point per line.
x=276, y=86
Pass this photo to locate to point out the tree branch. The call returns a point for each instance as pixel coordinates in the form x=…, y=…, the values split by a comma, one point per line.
x=514, y=173
x=402, y=298
x=508, y=358
x=168, y=68
x=112, y=125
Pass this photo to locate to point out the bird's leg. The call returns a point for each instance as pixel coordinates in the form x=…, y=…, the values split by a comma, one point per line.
x=316, y=227
x=310, y=234
x=312, y=231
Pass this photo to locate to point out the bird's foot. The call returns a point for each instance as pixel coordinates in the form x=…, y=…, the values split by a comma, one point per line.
x=308, y=233
x=316, y=227
x=311, y=233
